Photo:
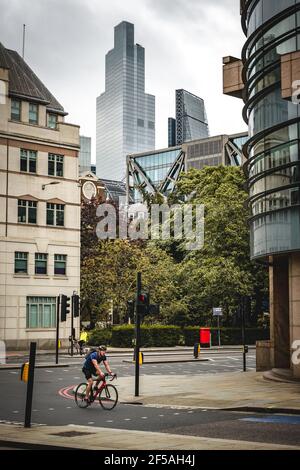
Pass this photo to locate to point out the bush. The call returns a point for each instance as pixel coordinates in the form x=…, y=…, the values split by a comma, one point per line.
x=168, y=336
x=100, y=336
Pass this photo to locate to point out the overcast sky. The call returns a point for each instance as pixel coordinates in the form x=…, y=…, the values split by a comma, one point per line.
x=185, y=41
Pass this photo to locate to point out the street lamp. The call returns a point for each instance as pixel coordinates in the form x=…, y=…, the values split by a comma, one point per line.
x=48, y=184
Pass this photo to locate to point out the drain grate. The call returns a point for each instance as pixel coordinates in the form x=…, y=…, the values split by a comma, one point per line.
x=72, y=434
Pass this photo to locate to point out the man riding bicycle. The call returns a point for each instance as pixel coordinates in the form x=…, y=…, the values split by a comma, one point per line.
x=91, y=367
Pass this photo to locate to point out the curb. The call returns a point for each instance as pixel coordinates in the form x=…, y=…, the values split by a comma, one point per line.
x=32, y=446
x=37, y=366
x=173, y=361
x=259, y=409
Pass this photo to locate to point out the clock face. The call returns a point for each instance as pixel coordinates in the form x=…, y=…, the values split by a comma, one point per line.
x=89, y=190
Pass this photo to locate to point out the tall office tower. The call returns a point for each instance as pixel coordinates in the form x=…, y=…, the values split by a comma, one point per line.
x=191, y=119
x=85, y=154
x=125, y=113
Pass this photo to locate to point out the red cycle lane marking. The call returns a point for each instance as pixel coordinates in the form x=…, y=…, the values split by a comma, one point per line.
x=64, y=392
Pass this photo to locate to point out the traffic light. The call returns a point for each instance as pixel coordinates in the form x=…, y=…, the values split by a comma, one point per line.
x=76, y=305
x=65, y=307
x=143, y=304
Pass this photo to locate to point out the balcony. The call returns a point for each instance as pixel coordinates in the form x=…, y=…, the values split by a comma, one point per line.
x=232, y=77
x=290, y=75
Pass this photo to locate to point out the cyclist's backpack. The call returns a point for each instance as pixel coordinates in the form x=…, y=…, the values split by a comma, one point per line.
x=91, y=351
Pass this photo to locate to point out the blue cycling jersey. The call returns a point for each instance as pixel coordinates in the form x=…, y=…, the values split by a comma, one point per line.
x=94, y=356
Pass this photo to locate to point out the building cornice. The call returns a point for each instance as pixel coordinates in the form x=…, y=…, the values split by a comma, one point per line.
x=36, y=140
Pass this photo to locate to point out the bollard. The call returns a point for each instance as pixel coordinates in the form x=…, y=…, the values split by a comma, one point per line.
x=196, y=350
x=30, y=382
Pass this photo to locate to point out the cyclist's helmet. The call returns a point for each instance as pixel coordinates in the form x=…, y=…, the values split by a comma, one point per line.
x=102, y=348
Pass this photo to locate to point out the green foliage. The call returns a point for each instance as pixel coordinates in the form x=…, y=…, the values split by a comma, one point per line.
x=169, y=336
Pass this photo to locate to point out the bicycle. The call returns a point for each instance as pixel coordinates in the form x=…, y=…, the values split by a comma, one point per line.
x=108, y=394
x=77, y=347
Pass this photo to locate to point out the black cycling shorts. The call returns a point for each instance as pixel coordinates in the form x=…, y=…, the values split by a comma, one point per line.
x=88, y=373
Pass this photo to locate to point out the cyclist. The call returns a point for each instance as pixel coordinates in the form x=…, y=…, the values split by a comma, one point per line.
x=82, y=340
x=91, y=367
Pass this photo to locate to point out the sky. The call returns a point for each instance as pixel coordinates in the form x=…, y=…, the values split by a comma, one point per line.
x=184, y=40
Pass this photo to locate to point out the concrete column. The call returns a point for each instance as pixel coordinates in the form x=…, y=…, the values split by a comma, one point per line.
x=279, y=313
x=294, y=282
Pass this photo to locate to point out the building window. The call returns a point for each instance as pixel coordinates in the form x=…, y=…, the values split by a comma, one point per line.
x=41, y=263
x=27, y=212
x=16, y=110
x=55, y=165
x=55, y=214
x=52, y=121
x=151, y=125
x=33, y=113
x=140, y=122
x=28, y=160
x=21, y=262
x=41, y=312
x=60, y=265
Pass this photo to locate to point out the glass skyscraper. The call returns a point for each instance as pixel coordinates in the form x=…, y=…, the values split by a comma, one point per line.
x=85, y=154
x=191, y=119
x=125, y=113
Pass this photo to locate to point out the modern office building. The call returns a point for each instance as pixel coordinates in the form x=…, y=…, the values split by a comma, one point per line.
x=266, y=79
x=125, y=113
x=85, y=154
x=191, y=120
x=158, y=171
x=40, y=207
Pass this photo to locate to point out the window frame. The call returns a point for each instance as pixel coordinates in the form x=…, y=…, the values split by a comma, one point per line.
x=12, y=116
x=56, y=210
x=41, y=257
x=27, y=155
x=60, y=258
x=34, y=122
x=56, y=160
x=29, y=205
x=20, y=258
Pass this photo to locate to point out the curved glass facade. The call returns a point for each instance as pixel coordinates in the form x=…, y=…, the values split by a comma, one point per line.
x=273, y=166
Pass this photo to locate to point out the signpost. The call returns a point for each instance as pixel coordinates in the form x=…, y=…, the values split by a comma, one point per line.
x=28, y=375
x=137, y=332
x=218, y=312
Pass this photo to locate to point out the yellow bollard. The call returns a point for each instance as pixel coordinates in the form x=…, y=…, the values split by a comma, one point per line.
x=25, y=372
x=199, y=348
x=141, y=359
x=59, y=344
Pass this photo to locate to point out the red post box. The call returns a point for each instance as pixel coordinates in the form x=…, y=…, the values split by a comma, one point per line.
x=205, y=337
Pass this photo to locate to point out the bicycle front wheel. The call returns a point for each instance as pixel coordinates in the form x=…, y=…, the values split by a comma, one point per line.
x=108, y=397
x=80, y=394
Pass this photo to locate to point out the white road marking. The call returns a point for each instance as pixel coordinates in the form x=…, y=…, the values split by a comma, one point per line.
x=91, y=422
x=233, y=358
x=109, y=421
x=127, y=419
x=144, y=417
x=14, y=372
x=176, y=414
x=15, y=412
x=51, y=409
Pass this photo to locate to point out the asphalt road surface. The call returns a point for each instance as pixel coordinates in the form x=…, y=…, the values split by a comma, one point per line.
x=52, y=408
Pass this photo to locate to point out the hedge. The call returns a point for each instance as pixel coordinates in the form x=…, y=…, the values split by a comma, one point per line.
x=167, y=336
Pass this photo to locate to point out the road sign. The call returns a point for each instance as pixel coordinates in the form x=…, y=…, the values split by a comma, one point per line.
x=217, y=312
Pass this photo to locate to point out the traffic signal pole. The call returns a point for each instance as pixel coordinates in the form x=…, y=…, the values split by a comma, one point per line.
x=57, y=328
x=137, y=334
x=72, y=322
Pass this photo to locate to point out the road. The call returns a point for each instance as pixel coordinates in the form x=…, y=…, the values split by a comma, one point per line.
x=54, y=405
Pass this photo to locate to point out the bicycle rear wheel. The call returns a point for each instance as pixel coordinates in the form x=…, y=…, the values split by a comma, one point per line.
x=80, y=394
x=108, y=397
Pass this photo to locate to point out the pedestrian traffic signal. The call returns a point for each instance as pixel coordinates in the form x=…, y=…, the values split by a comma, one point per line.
x=65, y=307
x=76, y=305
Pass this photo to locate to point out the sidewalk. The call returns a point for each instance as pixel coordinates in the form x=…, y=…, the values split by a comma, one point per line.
x=230, y=390
x=88, y=437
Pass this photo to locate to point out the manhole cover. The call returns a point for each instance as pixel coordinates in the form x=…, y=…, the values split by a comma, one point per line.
x=72, y=434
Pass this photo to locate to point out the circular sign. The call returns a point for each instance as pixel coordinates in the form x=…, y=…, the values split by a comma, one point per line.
x=89, y=190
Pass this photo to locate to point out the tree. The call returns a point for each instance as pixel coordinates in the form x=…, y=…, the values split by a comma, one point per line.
x=221, y=273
